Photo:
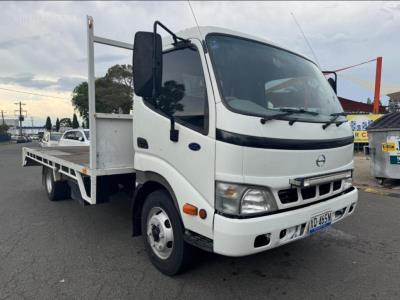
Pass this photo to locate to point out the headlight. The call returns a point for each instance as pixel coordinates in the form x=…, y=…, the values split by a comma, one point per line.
x=347, y=183
x=238, y=199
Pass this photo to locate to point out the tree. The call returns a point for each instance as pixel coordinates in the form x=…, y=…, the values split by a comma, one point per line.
x=369, y=101
x=75, y=123
x=114, y=92
x=48, y=124
x=168, y=101
x=65, y=122
x=4, y=128
x=57, y=125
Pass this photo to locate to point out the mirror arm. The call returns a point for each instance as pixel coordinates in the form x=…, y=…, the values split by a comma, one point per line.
x=173, y=132
x=154, y=58
x=174, y=36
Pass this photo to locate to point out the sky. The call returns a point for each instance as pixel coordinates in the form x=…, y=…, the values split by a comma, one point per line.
x=43, y=44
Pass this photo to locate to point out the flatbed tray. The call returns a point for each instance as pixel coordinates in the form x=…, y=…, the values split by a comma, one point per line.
x=77, y=155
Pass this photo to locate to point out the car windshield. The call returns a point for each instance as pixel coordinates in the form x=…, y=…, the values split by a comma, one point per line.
x=261, y=80
x=55, y=136
x=87, y=134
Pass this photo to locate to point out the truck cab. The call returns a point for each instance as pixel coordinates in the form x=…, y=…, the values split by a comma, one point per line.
x=246, y=132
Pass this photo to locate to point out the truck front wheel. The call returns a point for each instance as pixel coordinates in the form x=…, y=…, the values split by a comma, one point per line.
x=163, y=231
x=56, y=190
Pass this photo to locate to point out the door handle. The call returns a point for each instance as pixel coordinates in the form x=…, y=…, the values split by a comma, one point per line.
x=173, y=132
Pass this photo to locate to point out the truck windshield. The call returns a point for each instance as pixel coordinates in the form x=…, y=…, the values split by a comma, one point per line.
x=262, y=80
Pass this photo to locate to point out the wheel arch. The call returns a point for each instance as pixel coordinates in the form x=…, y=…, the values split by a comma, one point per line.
x=147, y=182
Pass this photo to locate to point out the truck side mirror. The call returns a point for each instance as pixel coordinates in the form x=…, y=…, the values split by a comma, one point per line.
x=147, y=64
x=332, y=82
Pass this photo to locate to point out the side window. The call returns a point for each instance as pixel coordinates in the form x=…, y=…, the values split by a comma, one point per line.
x=78, y=135
x=70, y=135
x=183, y=93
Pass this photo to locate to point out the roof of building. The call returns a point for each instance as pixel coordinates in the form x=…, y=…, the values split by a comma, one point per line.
x=389, y=121
x=394, y=95
x=356, y=107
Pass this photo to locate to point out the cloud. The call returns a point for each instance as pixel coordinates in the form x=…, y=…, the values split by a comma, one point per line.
x=105, y=58
x=10, y=43
x=28, y=80
x=43, y=44
x=68, y=83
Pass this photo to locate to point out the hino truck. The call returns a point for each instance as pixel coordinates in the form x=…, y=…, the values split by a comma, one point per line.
x=235, y=145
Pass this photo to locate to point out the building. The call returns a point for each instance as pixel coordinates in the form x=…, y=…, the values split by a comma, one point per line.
x=394, y=101
x=355, y=107
x=26, y=130
x=11, y=122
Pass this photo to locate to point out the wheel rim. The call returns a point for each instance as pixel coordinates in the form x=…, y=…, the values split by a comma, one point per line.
x=160, y=234
x=49, y=183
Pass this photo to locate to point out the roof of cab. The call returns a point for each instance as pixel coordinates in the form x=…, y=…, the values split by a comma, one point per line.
x=193, y=33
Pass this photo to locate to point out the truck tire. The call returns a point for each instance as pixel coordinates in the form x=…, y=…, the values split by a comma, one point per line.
x=56, y=190
x=163, y=232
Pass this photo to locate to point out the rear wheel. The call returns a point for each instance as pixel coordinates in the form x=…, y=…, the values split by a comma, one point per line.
x=380, y=180
x=163, y=231
x=56, y=190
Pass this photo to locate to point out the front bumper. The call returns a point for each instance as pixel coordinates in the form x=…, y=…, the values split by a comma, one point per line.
x=236, y=237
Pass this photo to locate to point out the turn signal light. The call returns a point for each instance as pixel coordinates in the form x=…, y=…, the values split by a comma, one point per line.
x=189, y=209
x=202, y=214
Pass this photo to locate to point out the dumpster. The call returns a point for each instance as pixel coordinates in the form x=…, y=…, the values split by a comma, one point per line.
x=384, y=147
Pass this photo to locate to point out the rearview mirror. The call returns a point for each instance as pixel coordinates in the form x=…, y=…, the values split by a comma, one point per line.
x=147, y=64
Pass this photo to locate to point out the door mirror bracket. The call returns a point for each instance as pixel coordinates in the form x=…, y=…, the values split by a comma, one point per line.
x=147, y=60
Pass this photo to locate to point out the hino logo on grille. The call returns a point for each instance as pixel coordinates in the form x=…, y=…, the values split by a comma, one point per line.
x=320, y=160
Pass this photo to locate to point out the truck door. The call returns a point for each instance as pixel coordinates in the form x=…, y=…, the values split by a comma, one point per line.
x=186, y=96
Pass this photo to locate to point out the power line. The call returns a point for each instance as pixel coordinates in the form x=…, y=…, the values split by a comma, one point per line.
x=345, y=68
x=195, y=19
x=305, y=38
x=34, y=94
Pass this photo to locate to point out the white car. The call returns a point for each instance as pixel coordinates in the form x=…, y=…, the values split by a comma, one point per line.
x=50, y=139
x=75, y=137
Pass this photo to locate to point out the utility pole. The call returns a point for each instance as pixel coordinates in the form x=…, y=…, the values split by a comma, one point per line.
x=2, y=116
x=21, y=117
x=378, y=76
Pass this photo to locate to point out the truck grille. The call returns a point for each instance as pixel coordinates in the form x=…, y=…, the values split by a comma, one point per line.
x=292, y=195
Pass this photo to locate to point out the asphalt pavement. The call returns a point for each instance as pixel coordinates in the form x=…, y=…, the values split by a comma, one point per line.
x=62, y=250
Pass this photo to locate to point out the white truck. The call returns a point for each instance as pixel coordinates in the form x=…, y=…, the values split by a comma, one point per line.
x=235, y=146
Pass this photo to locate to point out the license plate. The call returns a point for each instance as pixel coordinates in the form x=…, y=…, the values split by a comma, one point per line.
x=320, y=221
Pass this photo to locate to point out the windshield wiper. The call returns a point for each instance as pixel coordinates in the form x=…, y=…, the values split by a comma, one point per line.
x=299, y=111
x=334, y=116
x=274, y=117
x=288, y=112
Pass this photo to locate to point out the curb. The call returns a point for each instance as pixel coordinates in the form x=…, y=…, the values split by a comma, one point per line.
x=381, y=192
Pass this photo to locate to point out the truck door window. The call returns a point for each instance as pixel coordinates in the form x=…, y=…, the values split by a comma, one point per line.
x=183, y=93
